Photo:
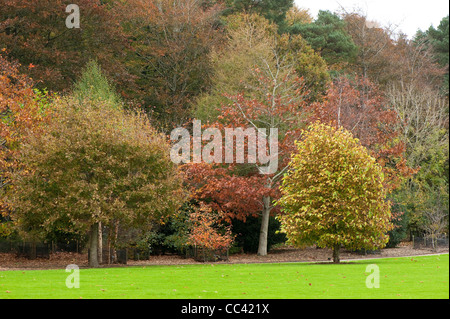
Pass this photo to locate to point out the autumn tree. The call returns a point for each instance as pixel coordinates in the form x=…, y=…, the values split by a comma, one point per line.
x=423, y=128
x=359, y=106
x=171, y=41
x=95, y=86
x=414, y=65
x=252, y=42
x=414, y=92
x=437, y=40
x=296, y=16
x=263, y=81
x=35, y=33
x=22, y=110
x=374, y=47
x=277, y=112
x=207, y=234
x=333, y=193
x=93, y=164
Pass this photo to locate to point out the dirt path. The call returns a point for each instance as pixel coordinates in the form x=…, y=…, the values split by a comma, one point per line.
x=284, y=254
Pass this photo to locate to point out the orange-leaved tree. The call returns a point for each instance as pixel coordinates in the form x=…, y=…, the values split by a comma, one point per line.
x=22, y=110
x=207, y=233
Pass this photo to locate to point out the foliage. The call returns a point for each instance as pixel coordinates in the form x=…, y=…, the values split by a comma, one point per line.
x=35, y=34
x=273, y=10
x=308, y=64
x=230, y=63
x=297, y=15
x=334, y=194
x=359, y=106
x=327, y=36
x=437, y=39
x=93, y=164
x=242, y=190
x=171, y=42
x=423, y=128
x=22, y=110
x=250, y=40
x=374, y=55
x=252, y=43
x=400, y=221
x=204, y=232
x=94, y=85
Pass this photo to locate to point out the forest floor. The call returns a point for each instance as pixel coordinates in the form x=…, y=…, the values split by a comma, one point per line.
x=277, y=255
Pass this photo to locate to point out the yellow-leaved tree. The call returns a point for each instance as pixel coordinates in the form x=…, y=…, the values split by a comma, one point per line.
x=333, y=194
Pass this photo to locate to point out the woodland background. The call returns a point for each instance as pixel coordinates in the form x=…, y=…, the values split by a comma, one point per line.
x=172, y=61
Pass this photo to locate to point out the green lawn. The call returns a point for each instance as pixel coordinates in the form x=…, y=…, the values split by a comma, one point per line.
x=417, y=277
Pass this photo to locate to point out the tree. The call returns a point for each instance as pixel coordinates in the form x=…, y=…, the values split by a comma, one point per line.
x=423, y=128
x=250, y=40
x=297, y=15
x=374, y=43
x=242, y=189
x=206, y=234
x=94, y=85
x=22, y=110
x=307, y=63
x=35, y=33
x=171, y=41
x=252, y=43
x=93, y=164
x=413, y=63
x=436, y=220
x=333, y=193
x=359, y=106
x=273, y=10
x=327, y=35
x=437, y=39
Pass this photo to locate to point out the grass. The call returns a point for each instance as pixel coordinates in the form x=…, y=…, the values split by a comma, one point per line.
x=407, y=277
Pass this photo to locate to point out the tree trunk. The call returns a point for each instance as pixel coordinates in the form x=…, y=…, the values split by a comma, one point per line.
x=114, y=243
x=262, y=247
x=100, y=243
x=33, y=253
x=93, y=246
x=336, y=251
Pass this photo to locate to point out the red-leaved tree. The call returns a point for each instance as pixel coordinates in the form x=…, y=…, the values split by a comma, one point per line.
x=239, y=188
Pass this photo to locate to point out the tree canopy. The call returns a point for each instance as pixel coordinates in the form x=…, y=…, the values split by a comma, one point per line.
x=93, y=163
x=333, y=194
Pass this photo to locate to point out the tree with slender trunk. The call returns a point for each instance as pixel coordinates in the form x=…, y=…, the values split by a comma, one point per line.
x=248, y=188
x=333, y=194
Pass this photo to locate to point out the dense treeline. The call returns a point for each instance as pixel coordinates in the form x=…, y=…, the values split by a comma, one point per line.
x=155, y=65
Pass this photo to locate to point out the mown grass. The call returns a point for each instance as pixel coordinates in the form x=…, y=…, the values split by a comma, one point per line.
x=407, y=277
